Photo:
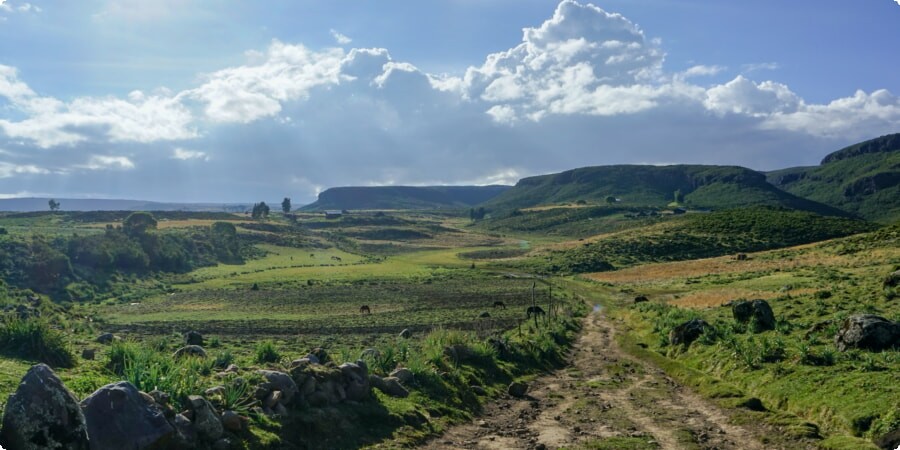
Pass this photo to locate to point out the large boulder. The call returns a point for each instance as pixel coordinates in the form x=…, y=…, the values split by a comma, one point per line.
x=193, y=338
x=868, y=332
x=757, y=313
x=280, y=381
x=206, y=420
x=42, y=413
x=517, y=389
x=390, y=386
x=687, y=332
x=119, y=417
x=356, y=381
x=892, y=280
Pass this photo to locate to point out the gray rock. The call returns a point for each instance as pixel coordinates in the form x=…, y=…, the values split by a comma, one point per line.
x=406, y=334
x=892, y=280
x=186, y=432
x=190, y=350
x=88, y=354
x=868, y=332
x=119, y=417
x=403, y=374
x=756, y=312
x=193, y=338
x=106, y=338
x=687, y=332
x=206, y=420
x=280, y=381
x=478, y=390
x=641, y=299
x=232, y=421
x=390, y=386
x=42, y=413
x=484, y=315
x=370, y=353
x=517, y=389
x=356, y=382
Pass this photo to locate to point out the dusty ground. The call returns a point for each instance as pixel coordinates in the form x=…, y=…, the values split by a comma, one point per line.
x=604, y=399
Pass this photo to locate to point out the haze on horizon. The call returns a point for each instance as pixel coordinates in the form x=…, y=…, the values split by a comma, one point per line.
x=201, y=101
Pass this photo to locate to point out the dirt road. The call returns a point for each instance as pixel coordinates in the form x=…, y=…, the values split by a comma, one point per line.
x=604, y=399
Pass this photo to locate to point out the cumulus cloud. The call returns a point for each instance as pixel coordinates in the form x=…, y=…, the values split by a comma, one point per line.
x=185, y=154
x=104, y=162
x=340, y=38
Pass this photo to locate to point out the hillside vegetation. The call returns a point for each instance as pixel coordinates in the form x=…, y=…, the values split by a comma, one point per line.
x=403, y=197
x=863, y=179
x=716, y=187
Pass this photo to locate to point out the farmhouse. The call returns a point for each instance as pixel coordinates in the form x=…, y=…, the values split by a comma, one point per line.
x=333, y=214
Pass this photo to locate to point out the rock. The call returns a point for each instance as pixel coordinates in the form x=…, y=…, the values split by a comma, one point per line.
x=88, y=354
x=321, y=355
x=889, y=441
x=406, y=334
x=272, y=399
x=484, y=315
x=106, y=338
x=459, y=352
x=403, y=374
x=753, y=404
x=190, y=350
x=478, y=390
x=356, y=381
x=390, y=386
x=892, y=280
x=757, y=312
x=193, y=338
x=280, y=381
x=160, y=397
x=232, y=368
x=215, y=390
x=641, y=299
x=186, y=432
x=222, y=444
x=370, y=353
x=868, y=332
x=517, y=389
x=206, y=421
x=119, y=417
x=415, y=419
x=500, y=346
x=232, y=421
x=687, y=332
x=42, y=413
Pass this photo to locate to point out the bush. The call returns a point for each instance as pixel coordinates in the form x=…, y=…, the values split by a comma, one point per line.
x=266, y=352
x=34, y=339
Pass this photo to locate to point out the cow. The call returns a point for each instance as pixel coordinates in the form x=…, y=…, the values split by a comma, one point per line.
x=364, y=309
x=536, y=310
x=499, y=304
x=740, y=257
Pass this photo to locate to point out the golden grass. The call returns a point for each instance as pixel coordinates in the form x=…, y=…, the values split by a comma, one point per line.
x=717, y=297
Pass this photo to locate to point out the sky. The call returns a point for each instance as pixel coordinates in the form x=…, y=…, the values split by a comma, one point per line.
x=228, y=101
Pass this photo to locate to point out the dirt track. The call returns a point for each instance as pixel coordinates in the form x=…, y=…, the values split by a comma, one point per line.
x=604, y=397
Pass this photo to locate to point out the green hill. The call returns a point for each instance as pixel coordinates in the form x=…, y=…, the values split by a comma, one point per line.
x=716, y=187
x=863, y=179
x=404, y=197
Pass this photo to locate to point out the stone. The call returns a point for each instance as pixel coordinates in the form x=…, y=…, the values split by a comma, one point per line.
x=867, y=332
x=321, y=355
x=160, y=397
x=517, y=389
x=390, y=386
x=186, y=432
x=206, y=421
x=42, y=413
x=215, y=390
x=757, y=313
x=232, y=421
x=193, y=338
x=370, y=353
x=88, y=354
x=403, y=374
x=478, y=390
x=280, y=381
x=484, y=315
x=356, y=381
x=272, y=399
x=222, y=444
x=190, y=350
x=889, y=441
x=687, y=332
x=118, y=417
x=641, y=299
x=406, y=334
x=892, y=280
x=106, y=338
x=232, y=368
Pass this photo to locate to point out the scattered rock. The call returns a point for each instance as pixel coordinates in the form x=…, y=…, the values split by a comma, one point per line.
x=370, y=353
x=892, y=280
x=88, y=354
x=687, y=332
x=757, y=312
x=403, y=374
x=753, y=404
x=484, y=315
x=641, y=299
x=42, y=413
x=517, y=389
x=889, y=441
x=215, y=390
x=415, y=419
x=119, y=417
x=478, y=390
x=193, y=338
x=320, y=354
x=159, y=397
x=869, y=332
x=280, y=381
x=232, y=368
x=356, y=381
x=106, y=338
x=186, y=432
x=206, y=421
x=406, y=334
x=222, y=444
x=232, y=421
x=390, y=386
x=190, y=350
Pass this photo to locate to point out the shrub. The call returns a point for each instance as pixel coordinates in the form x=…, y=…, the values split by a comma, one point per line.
x=266, y=352
x=34, y=339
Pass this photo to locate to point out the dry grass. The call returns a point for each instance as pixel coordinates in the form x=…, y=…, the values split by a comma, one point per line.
x=165, y=224
x=717, y=297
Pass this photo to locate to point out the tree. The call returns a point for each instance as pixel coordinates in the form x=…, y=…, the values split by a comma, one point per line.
x=137, y=223
x=260, y=210
x=610, y=199
x=54, y=205
x=286, y=205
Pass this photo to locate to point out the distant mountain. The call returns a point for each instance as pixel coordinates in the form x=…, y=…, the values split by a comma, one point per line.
x=404, y=197
x=92, y=204
x=715, y=187
x=862, y=179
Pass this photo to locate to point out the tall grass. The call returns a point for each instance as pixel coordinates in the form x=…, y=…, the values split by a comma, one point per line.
x=148, y=369
x=34, y=339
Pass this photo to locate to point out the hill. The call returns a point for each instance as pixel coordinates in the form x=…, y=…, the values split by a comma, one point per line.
x=717, y=187
x=31, y=204
x=862, y=179
x=404, y=197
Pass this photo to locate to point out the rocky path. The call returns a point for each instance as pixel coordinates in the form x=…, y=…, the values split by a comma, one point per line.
x=603, y=399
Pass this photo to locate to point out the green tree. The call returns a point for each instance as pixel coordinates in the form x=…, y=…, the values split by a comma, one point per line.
x=610, y=199
x=138, y=223
x=54, y=205
x=286, y=205
x=260, y=211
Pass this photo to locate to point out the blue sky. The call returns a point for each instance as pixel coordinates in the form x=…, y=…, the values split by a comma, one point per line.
x=184, y=100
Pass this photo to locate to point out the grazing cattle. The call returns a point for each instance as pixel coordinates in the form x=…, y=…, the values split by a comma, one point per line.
x=536, y=310
x=335, y=258
x=741, y=257
x=499, y=304
x=364, y=309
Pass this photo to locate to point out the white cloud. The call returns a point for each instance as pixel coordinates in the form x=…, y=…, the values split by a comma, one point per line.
x=27, y=7
x=185, y=154
x=9, y=170
x=755, y=67
x=743, y=96
x=701, y=71
x=103, y=162
x=340, y=38
x=4, y=6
